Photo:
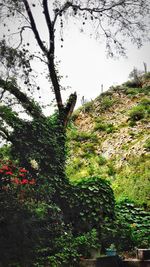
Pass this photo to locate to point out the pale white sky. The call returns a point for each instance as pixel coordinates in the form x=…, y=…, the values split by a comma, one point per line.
x=85, y=62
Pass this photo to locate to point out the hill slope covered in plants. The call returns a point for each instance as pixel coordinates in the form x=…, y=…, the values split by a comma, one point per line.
x=110, y=137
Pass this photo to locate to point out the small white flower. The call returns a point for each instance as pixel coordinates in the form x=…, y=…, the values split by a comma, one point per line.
x=34, y=164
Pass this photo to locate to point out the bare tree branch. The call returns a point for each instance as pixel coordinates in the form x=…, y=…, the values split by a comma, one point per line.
x=33, y=26
x=58, y=12
x=20, y=33
x=49, y=25
x=51, y=54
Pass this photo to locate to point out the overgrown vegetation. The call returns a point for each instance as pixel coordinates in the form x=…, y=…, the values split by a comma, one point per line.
x=141, y=111
x=138, y=220
x=108, y=127
x=50, y=233
x=45, y=220
x=127, y=171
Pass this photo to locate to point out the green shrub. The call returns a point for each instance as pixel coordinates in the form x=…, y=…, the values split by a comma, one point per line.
x=77, y=164
x=108, y=127
x=137, y=113
x=118, y=233
x=111, y=169
x=142, y=110
x=89, y=148
x=135, y=91
x=147, y=144
x=74, y=134
x=138, y=220
x=145, y=102
x=82, y=136
x=131, y=84
x=107, y=102
x=70, y=249
x=146, y=90
x=101, y=160
x=132, y=123
x=132, y=91
x=94, y=202
x=100, y=126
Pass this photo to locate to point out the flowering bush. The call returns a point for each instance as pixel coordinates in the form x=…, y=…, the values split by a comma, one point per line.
x=11, y=174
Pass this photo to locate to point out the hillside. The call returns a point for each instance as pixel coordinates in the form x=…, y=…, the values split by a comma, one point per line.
x=110, y=137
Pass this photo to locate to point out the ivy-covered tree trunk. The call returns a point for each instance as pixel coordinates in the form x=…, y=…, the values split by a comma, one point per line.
x=39, y=145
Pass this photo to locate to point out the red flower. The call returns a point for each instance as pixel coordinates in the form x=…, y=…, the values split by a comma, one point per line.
x=1, y=171
x=23, y=170
x=5, y=167
x=21, y=174
x=24, y=181
x=9, y=173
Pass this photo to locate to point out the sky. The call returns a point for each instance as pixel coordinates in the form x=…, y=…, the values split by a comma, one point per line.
x=84, y=60
x=85, y=67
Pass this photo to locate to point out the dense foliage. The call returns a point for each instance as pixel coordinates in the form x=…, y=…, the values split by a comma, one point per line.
x=93, y=204
x=50, y=233
x=138, y=219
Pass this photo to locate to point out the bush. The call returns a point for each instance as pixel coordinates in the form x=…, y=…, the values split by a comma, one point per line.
x=107, y=102
x=139, y=222
x=89, y=148
x=132, y=91
x=108, y=127
x=137, y=113
x=147, y=144
x=111, y=169
x=131, y=84
x=118, y=233
x=130, y=229
x=142, y=110
x=93, y=203
x=135, y=91
x=101, y=160
x=145, y=102
x=100, y=126
x=81, y=136
x=70, y=249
